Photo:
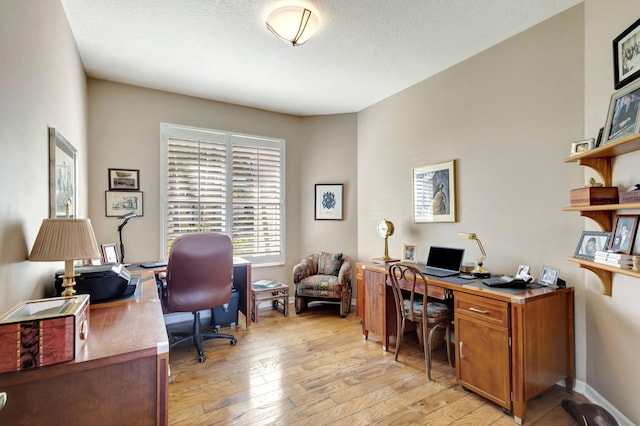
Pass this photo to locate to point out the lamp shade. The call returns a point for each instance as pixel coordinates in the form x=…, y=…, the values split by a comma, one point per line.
x=292, y=24
x=65, y=239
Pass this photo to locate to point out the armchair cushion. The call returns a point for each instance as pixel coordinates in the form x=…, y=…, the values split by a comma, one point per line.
x=329, y=264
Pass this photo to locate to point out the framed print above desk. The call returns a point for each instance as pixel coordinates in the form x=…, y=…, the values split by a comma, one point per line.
x=434, y=193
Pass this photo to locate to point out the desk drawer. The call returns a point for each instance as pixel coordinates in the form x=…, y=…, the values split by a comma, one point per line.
x=482, y=308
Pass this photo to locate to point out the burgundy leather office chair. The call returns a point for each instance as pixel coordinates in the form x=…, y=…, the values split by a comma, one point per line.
x=199, y=277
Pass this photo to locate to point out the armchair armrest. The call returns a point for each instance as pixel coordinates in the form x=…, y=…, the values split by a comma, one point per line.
x=301, y=271
x=344, y=275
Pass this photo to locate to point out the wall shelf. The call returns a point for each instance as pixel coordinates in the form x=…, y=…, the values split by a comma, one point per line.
x=599, y=159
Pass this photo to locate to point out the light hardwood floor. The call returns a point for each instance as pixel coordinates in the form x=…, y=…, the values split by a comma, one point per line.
x=316, y=369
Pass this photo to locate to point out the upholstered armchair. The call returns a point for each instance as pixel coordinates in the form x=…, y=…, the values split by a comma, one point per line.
x=323, y=277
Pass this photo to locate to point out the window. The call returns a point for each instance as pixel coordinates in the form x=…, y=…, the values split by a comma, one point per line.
x=215, y=181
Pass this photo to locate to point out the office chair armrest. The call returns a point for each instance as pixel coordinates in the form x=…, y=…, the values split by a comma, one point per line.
x=344, y=274
x=301, y=270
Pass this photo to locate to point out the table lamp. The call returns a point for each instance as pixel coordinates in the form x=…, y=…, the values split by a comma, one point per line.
x=479, y=270
x=68, y=240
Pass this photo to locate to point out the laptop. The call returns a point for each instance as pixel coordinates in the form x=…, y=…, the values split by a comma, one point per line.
x=443, y=261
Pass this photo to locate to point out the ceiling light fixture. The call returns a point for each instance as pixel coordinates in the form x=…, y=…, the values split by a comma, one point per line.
x=292, y=24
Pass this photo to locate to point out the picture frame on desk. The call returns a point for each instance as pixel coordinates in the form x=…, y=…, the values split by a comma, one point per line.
x=434, y=192
x=622, y=117
x=590, y=242
x=549, y=276
x=626, y=57
x=625, y=227
x=409, y=253
x=110, y=253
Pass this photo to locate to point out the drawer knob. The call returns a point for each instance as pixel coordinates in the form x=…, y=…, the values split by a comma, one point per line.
x=480, y=311
x=3, y=399
x=461, y=356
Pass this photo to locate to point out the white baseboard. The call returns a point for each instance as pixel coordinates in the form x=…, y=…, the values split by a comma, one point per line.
x=595, y=398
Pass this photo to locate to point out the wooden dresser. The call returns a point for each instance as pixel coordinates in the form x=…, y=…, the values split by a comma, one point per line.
x=510, y=345
x=119, y=377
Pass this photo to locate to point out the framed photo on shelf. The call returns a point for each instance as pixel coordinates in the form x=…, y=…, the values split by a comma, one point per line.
x=622, y=117
x=63, y=175
x=328, y=201
x=110, y=253
x=549, y=276
x=118, y=203
x=626, y=56
x=579, y=147
x=590, y=242
x=434, y=193
x=124, y=180
x=409, y=253
x=624, y=233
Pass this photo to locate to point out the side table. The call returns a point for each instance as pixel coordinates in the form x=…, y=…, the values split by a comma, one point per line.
x=267, y=290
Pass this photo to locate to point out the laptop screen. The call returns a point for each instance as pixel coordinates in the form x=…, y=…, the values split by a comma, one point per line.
x=445, y=258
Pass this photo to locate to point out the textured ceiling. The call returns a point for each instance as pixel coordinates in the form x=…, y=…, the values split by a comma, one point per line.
x=364, y=51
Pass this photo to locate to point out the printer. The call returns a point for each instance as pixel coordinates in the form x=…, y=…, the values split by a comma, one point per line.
x=101, y=282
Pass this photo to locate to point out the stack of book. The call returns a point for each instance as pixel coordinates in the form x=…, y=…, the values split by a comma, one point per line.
x=620, y=260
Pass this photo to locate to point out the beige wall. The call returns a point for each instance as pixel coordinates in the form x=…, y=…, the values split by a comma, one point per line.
x=42, y=84
x=612, y=323
x=508, y=116
x=124, y=124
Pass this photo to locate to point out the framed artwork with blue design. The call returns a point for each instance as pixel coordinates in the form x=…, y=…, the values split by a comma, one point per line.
x=328, y=201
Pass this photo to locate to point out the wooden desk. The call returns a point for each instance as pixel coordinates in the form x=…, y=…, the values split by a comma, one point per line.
x=120, y=376
x=241, y=281
x=511, y=345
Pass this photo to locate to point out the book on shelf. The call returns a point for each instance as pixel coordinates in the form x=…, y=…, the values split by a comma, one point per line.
x=613, y=262
x=266, y=284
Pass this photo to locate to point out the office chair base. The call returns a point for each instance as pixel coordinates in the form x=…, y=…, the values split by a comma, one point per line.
x=196, y=337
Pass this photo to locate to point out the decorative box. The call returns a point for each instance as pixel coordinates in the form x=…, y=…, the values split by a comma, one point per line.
x=593, y=196
x=630, y=197
x=42, y=332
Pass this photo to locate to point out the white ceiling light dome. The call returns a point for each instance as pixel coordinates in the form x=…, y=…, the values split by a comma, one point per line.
x=293, y=24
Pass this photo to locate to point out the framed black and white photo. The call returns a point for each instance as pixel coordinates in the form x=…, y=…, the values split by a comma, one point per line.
x=124, y=180
x=328, y=201
x=434, y=193
x=622, y=117
x=522, y=270
x=590, y=242
x=409, y=253
x=624, y=233
x=549, y=276
x=63, y=176
x=626, y=56
x=118, y=203
x=110, y=253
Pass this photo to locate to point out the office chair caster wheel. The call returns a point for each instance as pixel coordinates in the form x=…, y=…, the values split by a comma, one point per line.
x=202, y=358
x=233, y=342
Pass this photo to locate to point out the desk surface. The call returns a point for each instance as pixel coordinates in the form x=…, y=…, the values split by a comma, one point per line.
x=475, y=286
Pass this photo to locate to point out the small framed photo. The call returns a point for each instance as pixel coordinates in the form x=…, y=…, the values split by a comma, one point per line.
x=110, y=253
x=582, y=146
x=124, y=180
x=622, y=117
x=409, y=253
x=118, y=203
x=624, y=233
x=522, y=270
x=590, y=242
x=626, y=56
x=328, y=201
x=549, y=276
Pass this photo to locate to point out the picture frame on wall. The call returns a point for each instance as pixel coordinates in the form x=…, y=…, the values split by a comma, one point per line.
x=63, y=176
x=118, y=203
x=622, y=117
x=626, y=56
x=409, y=253
x=328, y=201
x=624, y=233
x=434, y=192
x=590, y=242
x=124, y=180
x=110, y=253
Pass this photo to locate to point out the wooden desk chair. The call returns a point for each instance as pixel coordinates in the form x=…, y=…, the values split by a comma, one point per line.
x=403, y=282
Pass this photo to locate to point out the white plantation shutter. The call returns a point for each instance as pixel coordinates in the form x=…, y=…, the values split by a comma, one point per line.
x=221, y=182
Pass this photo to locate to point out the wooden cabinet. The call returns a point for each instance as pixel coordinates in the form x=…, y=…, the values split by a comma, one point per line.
x=511, y=345
x=599, y=159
